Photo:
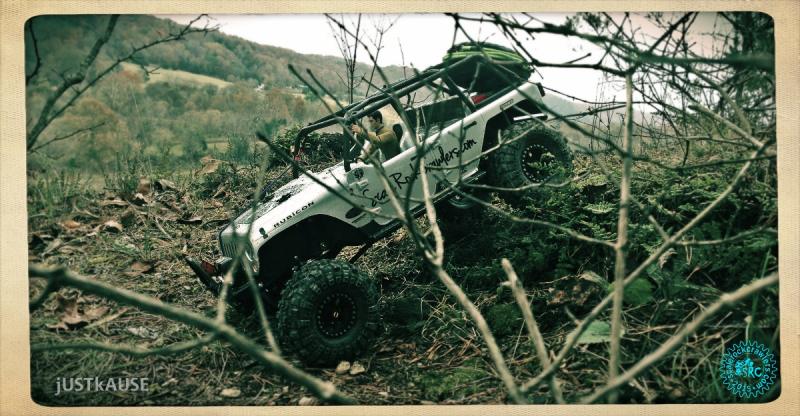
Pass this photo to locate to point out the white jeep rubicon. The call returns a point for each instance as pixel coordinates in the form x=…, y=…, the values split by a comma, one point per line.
x=326, y=307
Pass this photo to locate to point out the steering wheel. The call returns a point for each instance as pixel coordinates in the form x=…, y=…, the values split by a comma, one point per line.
x=352, y=149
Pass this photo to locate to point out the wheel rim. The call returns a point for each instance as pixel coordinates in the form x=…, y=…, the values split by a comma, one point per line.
x=336, y=315
x=538, y=164
x=460, y=201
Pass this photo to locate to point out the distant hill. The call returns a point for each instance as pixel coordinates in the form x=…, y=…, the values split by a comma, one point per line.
x=64, y=40
x=175, y=76
x=207, y=89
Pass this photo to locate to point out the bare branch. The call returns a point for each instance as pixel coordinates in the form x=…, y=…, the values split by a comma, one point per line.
x=35, y=43
x=67, y=136
x=176, y=348
x=78, y=84
x=530, y=323
x=572, y=337
x=621, y=247
x=62, y=277
x=725, y=301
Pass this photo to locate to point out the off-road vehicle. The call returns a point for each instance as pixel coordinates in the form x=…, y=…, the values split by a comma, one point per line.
x=460, y=111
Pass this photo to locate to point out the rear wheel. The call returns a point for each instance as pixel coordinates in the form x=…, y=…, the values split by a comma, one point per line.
x=455, y=213
x=532, y=154
x=328, y=312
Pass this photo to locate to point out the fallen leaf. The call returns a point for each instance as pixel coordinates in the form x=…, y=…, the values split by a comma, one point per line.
x=343, y=367
x=140, y=199
x=143, y=332
x=95, y=313
x=144, y=187
x=113, y=202
x=597, y=332
x=307, y=401
x=112, y=225
x=54, y=245
x=70, y=224
x=231, y=392
x=164, y=184
x=220, y=192
x=216, y=204
x=197, y=219
x=139, y=267
x=107, y=319
x=70, y=317
x=210, y=165
x=357, y=368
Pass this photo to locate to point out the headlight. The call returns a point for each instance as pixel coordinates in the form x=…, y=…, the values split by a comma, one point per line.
x=252, y=258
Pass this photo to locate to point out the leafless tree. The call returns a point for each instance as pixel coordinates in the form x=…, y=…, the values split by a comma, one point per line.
x=76, y=82
x=349, y=50
x=719, y=108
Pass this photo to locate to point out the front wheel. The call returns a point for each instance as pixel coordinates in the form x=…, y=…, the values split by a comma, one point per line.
x=531, y=154
x=328, y=312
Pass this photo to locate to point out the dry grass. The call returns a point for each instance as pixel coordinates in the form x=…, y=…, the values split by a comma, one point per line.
x=429, y=352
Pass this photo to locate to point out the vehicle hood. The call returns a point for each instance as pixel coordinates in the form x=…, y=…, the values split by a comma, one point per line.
x=302, y=187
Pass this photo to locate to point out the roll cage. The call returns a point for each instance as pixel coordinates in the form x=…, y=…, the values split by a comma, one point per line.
x=389, y=93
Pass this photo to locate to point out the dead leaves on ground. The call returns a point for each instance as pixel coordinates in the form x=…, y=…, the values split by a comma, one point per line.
x=112, y=225
x=139, y=267
x=210, y=165
x=71, y=316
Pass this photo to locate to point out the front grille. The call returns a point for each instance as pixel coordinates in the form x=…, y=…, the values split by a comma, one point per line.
x=228, y=249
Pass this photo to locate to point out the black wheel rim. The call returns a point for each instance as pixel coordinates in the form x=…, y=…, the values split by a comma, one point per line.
x=336, y=315
x=538, y=164
x=460, y=201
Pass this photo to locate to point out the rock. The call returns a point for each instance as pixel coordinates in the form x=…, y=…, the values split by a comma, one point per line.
x=343, y=367
x=307, y=401
x=231, y=392
x=357, y=368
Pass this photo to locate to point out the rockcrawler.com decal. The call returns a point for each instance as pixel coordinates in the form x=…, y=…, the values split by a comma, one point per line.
x=442, y=157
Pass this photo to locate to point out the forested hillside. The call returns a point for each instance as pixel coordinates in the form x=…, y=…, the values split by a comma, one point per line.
x=169, y=113
x=626, y=268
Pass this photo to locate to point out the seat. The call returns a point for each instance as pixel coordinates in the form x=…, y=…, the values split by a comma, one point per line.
x=404, y=137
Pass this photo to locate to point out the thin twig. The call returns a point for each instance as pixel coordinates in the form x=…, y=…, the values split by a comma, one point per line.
x=725, y=301
x=530, y=323
x=324, y=390
x=621, y=247
x=175, y=348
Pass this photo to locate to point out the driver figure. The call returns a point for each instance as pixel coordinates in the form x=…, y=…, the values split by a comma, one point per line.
x=380, y=137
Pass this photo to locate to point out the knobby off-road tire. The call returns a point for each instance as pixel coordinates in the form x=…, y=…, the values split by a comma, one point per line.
x=328, y=312
x=539, y=155
x=456, y=213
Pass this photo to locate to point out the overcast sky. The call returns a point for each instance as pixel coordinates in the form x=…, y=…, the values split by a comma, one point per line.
x=425, y=38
